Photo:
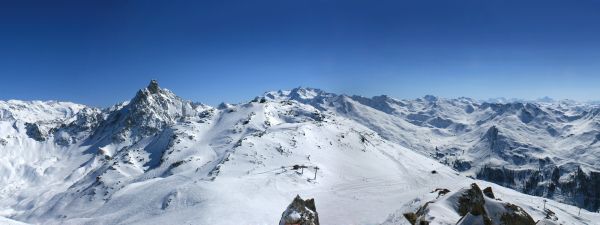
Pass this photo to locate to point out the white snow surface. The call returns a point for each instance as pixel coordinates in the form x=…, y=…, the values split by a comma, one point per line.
x=159, y=159
x=7, y=221
x=32, y=111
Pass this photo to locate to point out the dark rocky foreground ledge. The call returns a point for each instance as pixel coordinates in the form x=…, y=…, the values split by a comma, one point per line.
x=300, y=212
x=474, y=207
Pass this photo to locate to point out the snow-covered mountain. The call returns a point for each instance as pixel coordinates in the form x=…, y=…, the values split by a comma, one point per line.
x=544, y=149
x=159, y=159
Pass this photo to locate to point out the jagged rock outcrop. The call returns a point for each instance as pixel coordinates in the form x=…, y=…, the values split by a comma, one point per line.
x=148, y=113
x=473, y=207
x=300, y=212
x=35, y=132
x=84, y=122
x=471, y=201
x=488, y=192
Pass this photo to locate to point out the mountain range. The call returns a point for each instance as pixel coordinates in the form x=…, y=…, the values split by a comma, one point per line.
x=160, y=159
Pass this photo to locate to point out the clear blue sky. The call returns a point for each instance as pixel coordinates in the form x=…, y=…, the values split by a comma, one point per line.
x=101, y=52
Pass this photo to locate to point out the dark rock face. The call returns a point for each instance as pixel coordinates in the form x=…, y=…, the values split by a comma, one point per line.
x=300, y=212
x=505, y=148
x=525, y=116
x=153, y=87
x=471, y=201
x=501, y=176
x=488, y=192
x=411, y=217
x=495, y=141
x=441, y=191
x=581, y=188
x=461, y=165
x=515, y=215
x=85, y=121
x=473, y=204
x=34, y=132
x=584, y=188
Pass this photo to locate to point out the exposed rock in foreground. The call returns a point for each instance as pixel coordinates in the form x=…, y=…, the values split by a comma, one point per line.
x=300, y=212
x=470, y=206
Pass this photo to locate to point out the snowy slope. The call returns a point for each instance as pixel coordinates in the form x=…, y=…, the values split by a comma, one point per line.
x=160, y=159
x=28, y=154
x=6, y=221
x=32, y=111
x=549, y=148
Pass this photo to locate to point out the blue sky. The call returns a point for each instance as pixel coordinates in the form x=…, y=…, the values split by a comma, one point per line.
x=101, y=52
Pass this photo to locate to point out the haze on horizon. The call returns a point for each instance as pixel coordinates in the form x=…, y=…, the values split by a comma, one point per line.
x=101, y=52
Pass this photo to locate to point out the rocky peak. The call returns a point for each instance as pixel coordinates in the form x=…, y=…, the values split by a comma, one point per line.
x=159, y=100
x=492, y=133
x=471, y=201
x=150, y=111
x=496, y=141
x=300, y=212
x=152, y=91
x=153, y=87
x=489, y=193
